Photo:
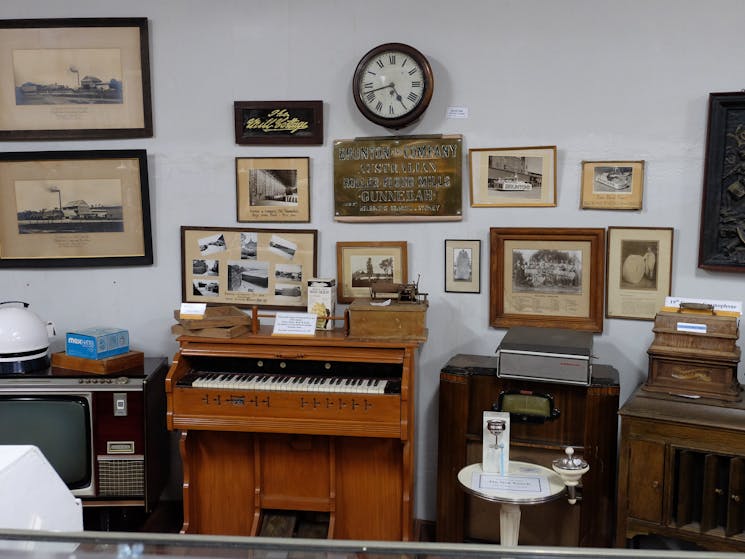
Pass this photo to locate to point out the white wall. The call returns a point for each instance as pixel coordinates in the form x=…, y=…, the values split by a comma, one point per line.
x=598, y=79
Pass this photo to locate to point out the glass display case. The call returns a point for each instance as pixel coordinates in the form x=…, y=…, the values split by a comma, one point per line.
x=121, y=545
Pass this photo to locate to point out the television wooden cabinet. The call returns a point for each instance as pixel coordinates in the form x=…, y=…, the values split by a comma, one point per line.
x=321, y=461
x=587, y=421
x=682, y=470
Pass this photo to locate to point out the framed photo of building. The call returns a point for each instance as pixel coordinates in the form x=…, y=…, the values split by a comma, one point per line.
x=551, y=277
x=722, y=233
x=462, y=266
x=360, y=264
x=74, y=79
x=513, y=177
x=612, y=185
x=74, y=208
x=639, y=273
x=272, y=189
x=244, y=267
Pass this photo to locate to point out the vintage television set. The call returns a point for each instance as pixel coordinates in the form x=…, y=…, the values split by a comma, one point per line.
x=105, y=435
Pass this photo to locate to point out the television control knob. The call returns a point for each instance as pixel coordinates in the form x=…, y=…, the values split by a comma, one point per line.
x=122, y=380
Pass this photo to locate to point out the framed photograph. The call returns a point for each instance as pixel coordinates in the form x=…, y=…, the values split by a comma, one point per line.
x=74, y=208
x=612, y=185
x=359, y=264
x=272, y=188
x=550, y=277
x=462, y=266
x=722, y=233
x=268, y=268
x=74, y=79
x=513, y=177
x=278, y=122
x=640, y=262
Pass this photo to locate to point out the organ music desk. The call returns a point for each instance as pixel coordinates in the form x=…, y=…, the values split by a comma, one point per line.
x=271, y=425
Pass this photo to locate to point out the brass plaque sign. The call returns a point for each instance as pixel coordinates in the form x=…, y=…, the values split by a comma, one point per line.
x=401, y=178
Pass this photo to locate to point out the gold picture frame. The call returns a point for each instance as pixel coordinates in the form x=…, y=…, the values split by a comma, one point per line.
x=359, y=263
x=550, y=277
x=612, y=185
x=639, y=271
x=74, y=79
x=74, y=208
x=513, y=177
x=272, y=189
x=462, y=266
x=246, y=267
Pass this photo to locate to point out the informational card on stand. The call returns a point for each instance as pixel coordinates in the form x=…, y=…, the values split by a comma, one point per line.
x=294, y=324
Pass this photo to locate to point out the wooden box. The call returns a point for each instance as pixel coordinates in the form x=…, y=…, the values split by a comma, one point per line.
x=396, y=320
x=106, y=366
x=703, y=373
x=675, y=330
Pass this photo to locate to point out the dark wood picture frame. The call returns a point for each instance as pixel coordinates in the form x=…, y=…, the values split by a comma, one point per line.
x=722, y=233
x=79, y=79
x=462, y=266
x=74, y=209
x=530, y=286
x=246, y=267
x=278, y=122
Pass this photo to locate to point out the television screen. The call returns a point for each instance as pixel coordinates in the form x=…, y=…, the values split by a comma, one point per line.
x=58, y=425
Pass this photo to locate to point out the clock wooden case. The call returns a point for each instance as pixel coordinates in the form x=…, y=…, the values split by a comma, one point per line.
x=392, y=85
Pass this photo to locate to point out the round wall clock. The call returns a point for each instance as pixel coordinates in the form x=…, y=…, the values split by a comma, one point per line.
x=392, y=85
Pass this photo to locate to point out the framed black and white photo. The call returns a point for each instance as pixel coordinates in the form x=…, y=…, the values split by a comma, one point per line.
x=359, y=264
x=462, y=266
x=513, y=177
x=612, y=185
x=272, y=189
x=74, y=208
x=267, y=268
x=74, y=79
x=639, y=275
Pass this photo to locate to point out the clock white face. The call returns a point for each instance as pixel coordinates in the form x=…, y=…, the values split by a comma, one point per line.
x=391, y=85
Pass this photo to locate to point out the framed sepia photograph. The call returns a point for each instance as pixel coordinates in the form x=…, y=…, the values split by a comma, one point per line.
x=278, y=122
x=74, y=208
x=272, y=188
x=722, y=233
x=462, y=266
x=513, y=177
x=268, y=268
x=551, y=277
x=612, y=185
x=360, y=264
x=74, y=79
x=639, y=277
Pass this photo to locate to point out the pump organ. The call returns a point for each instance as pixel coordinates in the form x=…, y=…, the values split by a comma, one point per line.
x=321, y=425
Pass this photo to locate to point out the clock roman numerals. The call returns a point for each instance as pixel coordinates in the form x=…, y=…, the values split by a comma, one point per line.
x=412, y=97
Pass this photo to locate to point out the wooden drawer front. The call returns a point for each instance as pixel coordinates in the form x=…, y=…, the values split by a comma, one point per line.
x=645, y=481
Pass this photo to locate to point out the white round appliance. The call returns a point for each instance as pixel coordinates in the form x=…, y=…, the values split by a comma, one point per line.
x=24, y=340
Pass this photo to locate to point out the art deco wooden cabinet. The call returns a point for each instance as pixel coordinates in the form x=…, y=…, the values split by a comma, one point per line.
x=311, y=437
x=682, y=470
x=587, y=420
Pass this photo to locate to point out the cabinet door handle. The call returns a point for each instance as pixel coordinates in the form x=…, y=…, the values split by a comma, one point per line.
x=735, y=497
x=718, y=491
x=655, y=484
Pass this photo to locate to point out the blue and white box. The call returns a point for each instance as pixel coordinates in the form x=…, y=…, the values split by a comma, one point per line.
x=97, y=343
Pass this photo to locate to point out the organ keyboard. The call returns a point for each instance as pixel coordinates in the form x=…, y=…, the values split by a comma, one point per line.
x=320, y=424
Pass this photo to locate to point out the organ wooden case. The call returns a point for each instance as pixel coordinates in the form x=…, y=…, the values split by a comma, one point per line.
x=585, y=418
x=311, y=436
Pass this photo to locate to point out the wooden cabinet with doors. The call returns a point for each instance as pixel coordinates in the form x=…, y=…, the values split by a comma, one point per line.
x=682, y=471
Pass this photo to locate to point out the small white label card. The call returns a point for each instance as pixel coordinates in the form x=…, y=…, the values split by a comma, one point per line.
x=510, y=483
x=192, y=311
x=456, y=112
x=295, y=324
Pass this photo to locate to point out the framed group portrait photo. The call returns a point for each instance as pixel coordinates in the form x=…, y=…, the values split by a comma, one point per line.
x=550, y=277
x=74, y=79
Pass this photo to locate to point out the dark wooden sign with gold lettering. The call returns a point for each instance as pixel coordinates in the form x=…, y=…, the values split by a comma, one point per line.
x=398, y=178
x=278, y=122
